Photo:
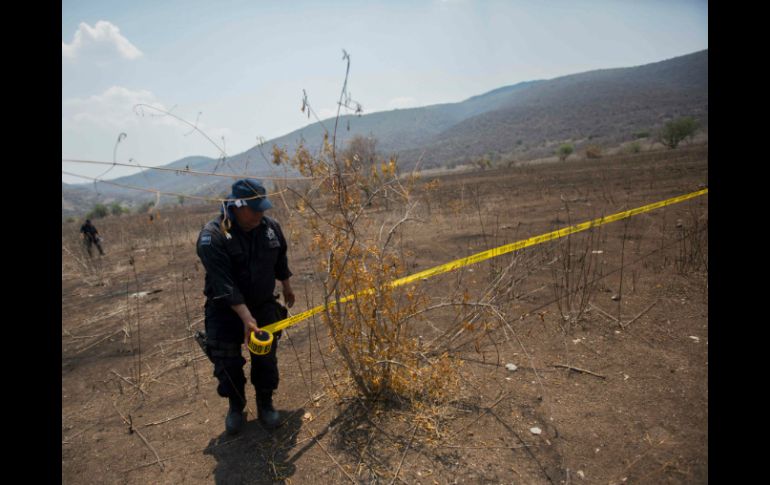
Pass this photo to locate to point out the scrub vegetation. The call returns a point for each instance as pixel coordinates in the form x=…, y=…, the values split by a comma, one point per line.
x=581, y=358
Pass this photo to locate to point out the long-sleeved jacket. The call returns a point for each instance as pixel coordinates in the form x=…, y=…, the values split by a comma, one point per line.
x=242, y=269
x=90, y=231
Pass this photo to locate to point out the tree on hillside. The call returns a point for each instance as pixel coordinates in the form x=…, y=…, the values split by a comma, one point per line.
x=99, y=211
x=675, y=131
x=565, y=151
x=361, y=150
x=116, y=209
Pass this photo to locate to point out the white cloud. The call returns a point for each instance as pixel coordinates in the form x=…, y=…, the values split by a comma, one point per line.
x=91, y=125
x=102, y=40
x=114, y=107
x=402, y=102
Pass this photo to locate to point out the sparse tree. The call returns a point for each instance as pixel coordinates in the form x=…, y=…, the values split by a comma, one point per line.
x=675, y=131
x=483, y=163
x=99, y=211
x=361, y=150
x=361, y=153
x=565, y=151
x=116, y=209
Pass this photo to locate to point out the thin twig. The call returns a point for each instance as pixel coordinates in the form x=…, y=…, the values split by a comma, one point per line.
x=363, y=451
x=85, y=266
x=158, y=460
x=404, y=455
x=98, y=342
x=143, y=465
x=69, y=438
x=603, y=312
x=392, y=362
x=640, y=314
x=332, y=458
x=578, y=369
x=137, y=387
x=487, y=447
x=125, y=419
x=480, y=416
x=166, y=420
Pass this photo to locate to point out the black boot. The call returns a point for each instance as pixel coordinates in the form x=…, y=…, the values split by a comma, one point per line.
x=235, y=416
x=268, y=416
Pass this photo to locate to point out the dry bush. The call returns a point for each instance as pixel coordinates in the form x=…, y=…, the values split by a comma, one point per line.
x=593, y=151
x=575, y=275
x=369, y=319
x=692, y=255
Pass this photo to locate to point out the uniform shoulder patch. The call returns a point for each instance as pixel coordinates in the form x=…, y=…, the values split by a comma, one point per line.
x=205, y=240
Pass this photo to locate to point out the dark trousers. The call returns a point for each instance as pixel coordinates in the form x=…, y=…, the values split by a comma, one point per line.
x=229, y=369
x=90, y=241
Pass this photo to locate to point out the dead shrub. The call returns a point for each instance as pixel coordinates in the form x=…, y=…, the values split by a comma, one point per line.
x=575, y=275
x=366, y=314
x=593, y=151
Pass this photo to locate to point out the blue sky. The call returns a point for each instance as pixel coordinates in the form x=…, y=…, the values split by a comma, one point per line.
x=239, y=67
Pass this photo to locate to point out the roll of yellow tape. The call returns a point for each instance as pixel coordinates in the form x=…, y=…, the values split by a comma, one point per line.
x=260, y=342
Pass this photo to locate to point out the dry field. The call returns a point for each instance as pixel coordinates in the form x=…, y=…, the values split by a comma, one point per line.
x=613, y=372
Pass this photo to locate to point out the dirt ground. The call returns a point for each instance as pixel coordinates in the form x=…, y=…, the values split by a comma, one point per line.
x=618, y=396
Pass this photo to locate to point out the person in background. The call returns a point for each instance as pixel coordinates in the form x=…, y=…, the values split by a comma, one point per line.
x=91, y=237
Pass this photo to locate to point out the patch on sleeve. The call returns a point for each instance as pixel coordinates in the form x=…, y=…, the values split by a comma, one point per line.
x=205, y=240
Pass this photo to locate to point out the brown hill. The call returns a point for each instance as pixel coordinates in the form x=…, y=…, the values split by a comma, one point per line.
x=523, y=121
x=601, y=107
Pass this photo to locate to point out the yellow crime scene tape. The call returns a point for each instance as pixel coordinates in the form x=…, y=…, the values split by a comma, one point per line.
x=489, y=254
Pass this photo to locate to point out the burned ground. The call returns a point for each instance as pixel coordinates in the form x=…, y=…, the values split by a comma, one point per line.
x=619, y=394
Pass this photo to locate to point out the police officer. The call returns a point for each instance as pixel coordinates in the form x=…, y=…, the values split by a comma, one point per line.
x=91, y=237
x=244, y=253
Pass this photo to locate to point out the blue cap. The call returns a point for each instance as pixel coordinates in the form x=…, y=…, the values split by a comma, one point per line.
x=252, y=193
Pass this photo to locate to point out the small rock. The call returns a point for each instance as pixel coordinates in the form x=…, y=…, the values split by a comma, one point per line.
x=307, y=416
x=696, y=339
x=581, y=475
x=576, y=341
x=615, y=298
x=625, y=377
x=597, y=252
x=535, y=430
x=511, y=367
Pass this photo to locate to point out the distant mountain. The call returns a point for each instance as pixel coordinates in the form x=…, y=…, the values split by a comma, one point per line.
x=525, y=120
x=601, y=107
x=76, y=199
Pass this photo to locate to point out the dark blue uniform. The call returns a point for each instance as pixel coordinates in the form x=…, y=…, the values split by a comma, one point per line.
x=241, y=269
x=91, y=237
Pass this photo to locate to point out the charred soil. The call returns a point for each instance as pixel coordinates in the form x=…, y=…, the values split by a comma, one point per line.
x=610, y=382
